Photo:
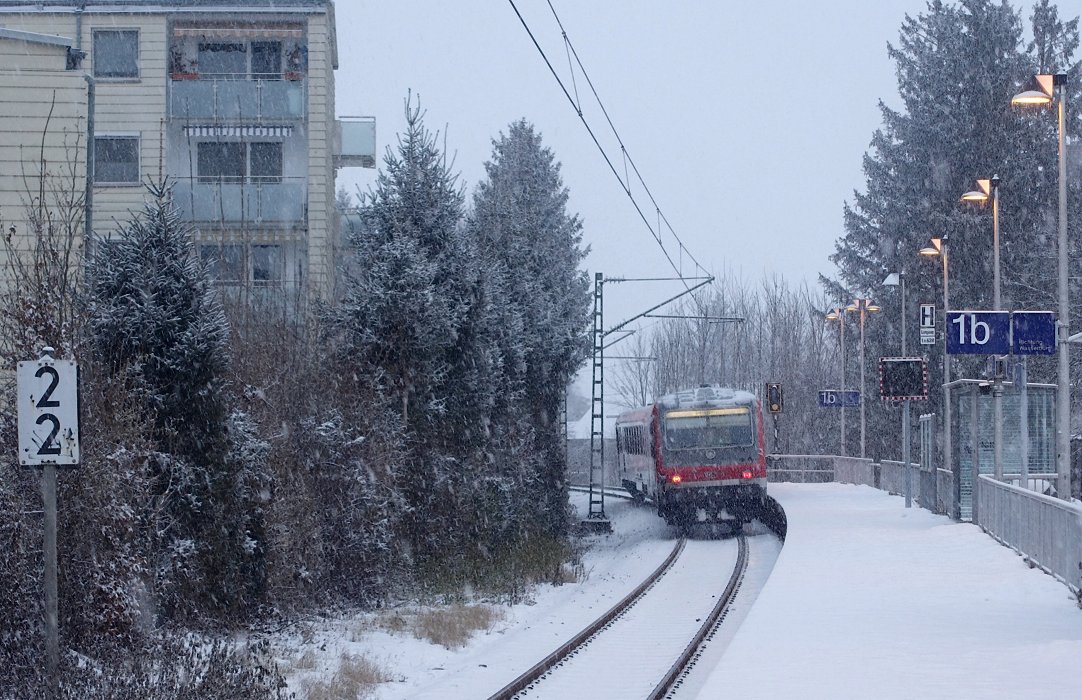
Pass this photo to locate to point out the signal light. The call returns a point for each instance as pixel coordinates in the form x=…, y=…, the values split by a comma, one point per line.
x=774, y=398
x=746, y=474
x=676, y=478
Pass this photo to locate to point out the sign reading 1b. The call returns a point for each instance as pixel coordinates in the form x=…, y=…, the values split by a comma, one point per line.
x=48, y=405
x=1001, y=332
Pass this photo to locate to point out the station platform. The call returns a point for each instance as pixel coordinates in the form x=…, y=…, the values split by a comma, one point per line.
x=869, y=599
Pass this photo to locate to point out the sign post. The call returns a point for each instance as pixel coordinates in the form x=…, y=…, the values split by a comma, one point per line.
x=48, y=407
x=904, y=379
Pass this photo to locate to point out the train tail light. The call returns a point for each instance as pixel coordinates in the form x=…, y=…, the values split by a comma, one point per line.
x=747, y=474
x=676, y=478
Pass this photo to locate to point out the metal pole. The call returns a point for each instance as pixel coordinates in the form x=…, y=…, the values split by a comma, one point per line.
x=52, y=636
x=948, y=446
x=863, y=304
x=841, y=334
x=997, y=387
x=975, y=445
x=905, y=455
x=1023, y=412
x=901, y=280
x=905, y=410
x=1063, y=380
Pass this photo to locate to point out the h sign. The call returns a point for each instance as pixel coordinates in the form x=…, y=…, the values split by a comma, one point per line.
x=927, y=315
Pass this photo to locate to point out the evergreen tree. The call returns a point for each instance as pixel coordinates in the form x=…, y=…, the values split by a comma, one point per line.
x=521, y=223
x=958, y=66
x=154, y=319
x=402, y=316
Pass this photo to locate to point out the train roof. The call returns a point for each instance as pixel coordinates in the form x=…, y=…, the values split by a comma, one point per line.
x=705, y=396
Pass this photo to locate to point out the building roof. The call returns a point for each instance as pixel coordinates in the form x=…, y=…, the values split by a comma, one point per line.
x=160, y=6
x=35, y=38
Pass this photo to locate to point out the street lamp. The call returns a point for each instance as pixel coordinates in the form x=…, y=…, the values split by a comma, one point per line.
x=838, y=315
x=864, y=307
x=1043, y=92
x=897, y=279
x=988, y=189
x=938, y=249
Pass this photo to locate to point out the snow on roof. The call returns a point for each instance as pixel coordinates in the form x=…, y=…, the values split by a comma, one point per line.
x=706, y=394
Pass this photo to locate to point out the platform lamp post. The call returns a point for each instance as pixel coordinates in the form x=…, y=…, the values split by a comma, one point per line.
x=937, y=248
x=838, y=315
x=988, y=190
x=863, y=306
x=1042, y=91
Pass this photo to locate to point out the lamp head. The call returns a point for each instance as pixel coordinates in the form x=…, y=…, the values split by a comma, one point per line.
x=833, y=315
x=981, y=194
x=1039, y=90
x=852, y=308
x=873, y=308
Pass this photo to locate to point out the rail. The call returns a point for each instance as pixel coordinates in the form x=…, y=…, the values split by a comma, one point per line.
x=686, y=660
x=541, y=667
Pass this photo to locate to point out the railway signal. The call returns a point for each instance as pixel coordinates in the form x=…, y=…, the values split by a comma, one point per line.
x=774, y=398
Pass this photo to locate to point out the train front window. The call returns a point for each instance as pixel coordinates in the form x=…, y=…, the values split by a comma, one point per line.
x=709, y=428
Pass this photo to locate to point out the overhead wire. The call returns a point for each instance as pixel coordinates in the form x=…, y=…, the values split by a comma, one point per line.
x=627, y=156
x=625, y=182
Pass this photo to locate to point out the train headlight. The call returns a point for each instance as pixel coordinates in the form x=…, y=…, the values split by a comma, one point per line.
x=676, y=478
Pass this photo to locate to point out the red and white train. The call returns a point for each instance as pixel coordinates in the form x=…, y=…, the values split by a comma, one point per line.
x=698, y=454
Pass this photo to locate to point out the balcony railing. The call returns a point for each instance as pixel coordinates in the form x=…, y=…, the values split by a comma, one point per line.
x=257, y=203
x=237, y=99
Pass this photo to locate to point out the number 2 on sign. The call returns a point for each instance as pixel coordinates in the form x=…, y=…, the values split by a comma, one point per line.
x=979, y=331
x=50, y=446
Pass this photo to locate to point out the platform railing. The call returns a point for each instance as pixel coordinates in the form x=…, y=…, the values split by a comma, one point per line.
x=1044, y=529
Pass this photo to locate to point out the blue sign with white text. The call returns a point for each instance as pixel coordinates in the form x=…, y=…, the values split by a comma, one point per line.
x=838, y=398
x=978, y=332
x=1033, y=333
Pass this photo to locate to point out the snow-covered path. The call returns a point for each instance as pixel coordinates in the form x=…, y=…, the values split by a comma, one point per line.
x=869, y=599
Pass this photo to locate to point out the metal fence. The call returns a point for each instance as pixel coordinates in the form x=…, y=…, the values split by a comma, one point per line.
x=801, y=469
x=1044, y=529
x=855, y=470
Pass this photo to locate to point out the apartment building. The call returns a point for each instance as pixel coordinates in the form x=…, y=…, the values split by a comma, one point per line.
x=233, y=101
x=43, y=118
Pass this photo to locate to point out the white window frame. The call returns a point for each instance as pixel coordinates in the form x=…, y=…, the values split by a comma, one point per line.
x=138, y=55
x=138, y=158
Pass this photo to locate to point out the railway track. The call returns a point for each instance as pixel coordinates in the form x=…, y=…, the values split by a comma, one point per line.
x=651, y=616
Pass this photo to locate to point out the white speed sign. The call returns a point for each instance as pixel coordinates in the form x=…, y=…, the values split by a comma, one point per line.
x=48, y=404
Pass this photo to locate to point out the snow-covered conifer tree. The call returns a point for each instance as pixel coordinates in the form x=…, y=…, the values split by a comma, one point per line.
x=522, y=225
x=153, y=317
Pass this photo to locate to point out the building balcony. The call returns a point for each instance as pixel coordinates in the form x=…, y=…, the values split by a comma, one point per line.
x=355, y=142
x=226, y=98
x=277, y=202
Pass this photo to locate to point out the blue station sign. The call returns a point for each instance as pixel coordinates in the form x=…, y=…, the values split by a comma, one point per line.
x=838, y=398
x=1001, y=332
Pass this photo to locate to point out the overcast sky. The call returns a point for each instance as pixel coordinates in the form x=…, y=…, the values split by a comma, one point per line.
x=748, y=120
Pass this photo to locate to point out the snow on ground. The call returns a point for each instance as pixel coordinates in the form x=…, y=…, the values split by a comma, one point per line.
x=866, y=599
x=613, y=566
x=869, y=599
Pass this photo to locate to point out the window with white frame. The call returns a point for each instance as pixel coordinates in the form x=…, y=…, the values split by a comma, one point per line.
x=239, y=161
x=224, y=161
x=116, y=53
x=116, y=160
